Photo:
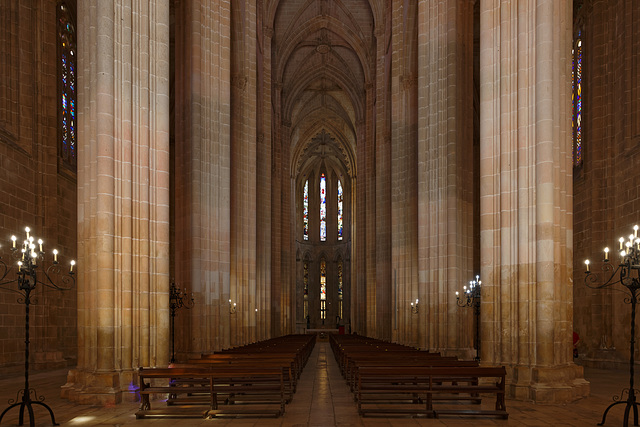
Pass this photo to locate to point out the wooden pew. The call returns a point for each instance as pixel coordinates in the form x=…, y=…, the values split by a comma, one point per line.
x=412, y=390
x=213, y=391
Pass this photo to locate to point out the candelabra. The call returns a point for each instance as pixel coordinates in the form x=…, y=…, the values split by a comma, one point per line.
x=471, y=298
x=414, y=307
x=232, y=307
x=177, y=299
x=627, y=275
x=28, y=260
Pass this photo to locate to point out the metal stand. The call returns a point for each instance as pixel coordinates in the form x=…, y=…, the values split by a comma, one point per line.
x=27, y=281
x=177, y=300
x=623, y=275
x=631, y=392
x=29, y=395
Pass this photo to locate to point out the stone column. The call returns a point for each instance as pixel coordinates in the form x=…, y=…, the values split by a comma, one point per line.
x=202, y=174
x=244, y=208
x=404, y=154
x=526, y=203
x=445, y=173
x=123, y=197
x=379, y=222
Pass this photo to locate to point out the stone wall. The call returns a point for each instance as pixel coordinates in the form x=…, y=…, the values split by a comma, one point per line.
x=36, y=190
x=606, y=185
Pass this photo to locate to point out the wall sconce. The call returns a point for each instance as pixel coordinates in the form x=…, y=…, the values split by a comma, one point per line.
x=232, y=307
x=414, y=307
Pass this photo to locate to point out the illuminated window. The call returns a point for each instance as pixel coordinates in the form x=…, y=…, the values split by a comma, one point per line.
x=340, y=212
x=305, y=211
x=323, y=208
x=67, y=74
x=323, y=290
x=577, y=99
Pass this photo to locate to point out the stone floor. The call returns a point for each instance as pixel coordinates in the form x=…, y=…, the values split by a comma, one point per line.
x=322, y=399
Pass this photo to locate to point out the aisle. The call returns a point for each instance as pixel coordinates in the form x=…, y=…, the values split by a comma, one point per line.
x=323, y=397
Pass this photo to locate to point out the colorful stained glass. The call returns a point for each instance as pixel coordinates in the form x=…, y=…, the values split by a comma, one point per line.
x=305, y=210
x=577, y=100
x=66, y=40
x=340, y=212
x=323, y=208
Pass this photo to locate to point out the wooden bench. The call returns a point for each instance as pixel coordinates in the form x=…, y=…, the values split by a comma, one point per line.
x=286, y=364
x=388, y=362
x=412, y=390
x=213, y=391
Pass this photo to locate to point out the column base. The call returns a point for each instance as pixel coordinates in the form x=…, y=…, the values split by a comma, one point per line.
x=558, y=384
x=100, y=388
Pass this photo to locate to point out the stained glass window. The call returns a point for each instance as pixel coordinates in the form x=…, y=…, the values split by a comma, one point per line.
x=67, y=67
x=323, y=208
x=339, y=210
x=323, y=290
x=577, y=100
x=305, y=211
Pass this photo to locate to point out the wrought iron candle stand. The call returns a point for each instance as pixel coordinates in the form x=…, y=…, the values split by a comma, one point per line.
x=177, y=299
x=414, y=307
x=29, y=257
x=471, y=298
x=627, y=275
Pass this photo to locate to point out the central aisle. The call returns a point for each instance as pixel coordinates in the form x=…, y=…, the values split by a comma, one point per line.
x=322, y=397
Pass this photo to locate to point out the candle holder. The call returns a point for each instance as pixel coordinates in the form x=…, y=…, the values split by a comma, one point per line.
x=232, y=307
x=177, y=299
x=414, y=308
x=471, y=297
x=29, y=274
x=627, y=276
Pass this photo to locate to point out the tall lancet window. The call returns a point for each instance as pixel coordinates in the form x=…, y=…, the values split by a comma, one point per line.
x=340, y=212
x=577, y=99
x=323, y=290
x=67, y=93
x=323, y=208
x=305, y=210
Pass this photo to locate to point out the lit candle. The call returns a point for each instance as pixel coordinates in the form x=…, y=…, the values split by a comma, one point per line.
x=623, y=253
x=457, y=294
x=27, y=229
x=19, y=265
x=621, y=242
x=586, y=262
x=73, y=262
x=55, y=255
x=635, y=230
x=40, y=242
x=416, y=301
x=606, y=254
x=13, y=239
